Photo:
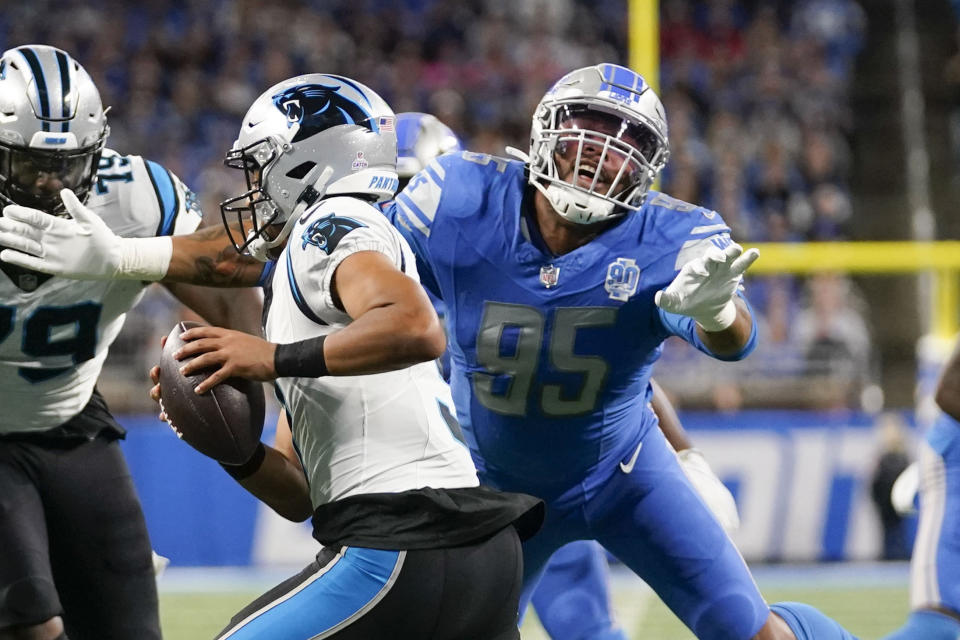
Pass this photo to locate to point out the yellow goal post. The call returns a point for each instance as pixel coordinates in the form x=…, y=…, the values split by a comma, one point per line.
x=940, y=259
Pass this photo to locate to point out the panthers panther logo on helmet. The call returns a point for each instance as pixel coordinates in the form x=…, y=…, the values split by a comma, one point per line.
x=316, y=107
x=306, y=138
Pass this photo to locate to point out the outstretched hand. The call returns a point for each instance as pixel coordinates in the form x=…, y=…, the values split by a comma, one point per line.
x=230, y=353
x=705, y=287
x=81, y=246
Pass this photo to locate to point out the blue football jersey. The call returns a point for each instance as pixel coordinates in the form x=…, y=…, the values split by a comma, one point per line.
x=551, y=355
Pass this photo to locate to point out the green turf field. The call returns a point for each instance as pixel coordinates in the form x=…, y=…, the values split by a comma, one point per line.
x=868, y=612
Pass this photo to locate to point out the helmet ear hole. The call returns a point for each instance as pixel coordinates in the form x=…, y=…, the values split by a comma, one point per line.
x=301, y=170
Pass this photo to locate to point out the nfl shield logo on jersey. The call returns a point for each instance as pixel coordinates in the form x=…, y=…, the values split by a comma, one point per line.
x=622, y=279
x=549, y=275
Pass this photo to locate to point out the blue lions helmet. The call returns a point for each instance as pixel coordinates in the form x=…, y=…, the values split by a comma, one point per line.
x=607, y=129
x=52, y=128
x=421, y=137
x=304, y=139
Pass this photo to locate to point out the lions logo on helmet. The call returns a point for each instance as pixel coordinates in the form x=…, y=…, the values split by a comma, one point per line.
x=316, y=107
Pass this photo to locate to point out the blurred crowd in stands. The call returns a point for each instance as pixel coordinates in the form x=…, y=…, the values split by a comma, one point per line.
x=757, y=96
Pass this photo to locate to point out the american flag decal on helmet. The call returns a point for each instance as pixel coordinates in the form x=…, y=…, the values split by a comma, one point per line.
x=385, y=123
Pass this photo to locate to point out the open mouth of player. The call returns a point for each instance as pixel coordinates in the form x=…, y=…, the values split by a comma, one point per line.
x=585, y=175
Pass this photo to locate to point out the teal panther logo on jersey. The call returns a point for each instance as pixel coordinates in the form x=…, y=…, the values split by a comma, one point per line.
x=327, y=232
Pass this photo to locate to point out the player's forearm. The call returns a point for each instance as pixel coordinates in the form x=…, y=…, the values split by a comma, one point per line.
x=733, y=339
x=208, y=258
x=280, y=485
x=948, y=389
x=382, y=339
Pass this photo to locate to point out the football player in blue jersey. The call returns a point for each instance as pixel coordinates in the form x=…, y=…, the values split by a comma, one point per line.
x=562, y=274
x=572, y=599
x=935, y=566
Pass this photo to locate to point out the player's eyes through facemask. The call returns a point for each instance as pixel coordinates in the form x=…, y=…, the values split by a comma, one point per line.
x=595, y=126
x=582, y=146
x=35, y=171
x=251, y=160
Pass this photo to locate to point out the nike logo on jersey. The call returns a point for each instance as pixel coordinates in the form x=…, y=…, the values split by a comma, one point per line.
x=628, y=467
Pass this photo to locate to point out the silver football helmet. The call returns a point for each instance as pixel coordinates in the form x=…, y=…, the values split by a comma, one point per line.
x=598, y=141
x=307, y=138
x=421, y=137
x=52, y=127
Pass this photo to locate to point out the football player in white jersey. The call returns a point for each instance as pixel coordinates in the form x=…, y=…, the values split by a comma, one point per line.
x=413, y=546
x=76, y=554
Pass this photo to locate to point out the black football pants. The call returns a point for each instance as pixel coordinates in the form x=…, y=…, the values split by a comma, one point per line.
x=73, y=541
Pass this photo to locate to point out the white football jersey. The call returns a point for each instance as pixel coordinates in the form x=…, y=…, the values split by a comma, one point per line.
x=54, y=339
x=384, y=432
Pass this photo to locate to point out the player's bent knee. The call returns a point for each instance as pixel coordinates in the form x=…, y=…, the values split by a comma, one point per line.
x=51, y=629
x=735, y=616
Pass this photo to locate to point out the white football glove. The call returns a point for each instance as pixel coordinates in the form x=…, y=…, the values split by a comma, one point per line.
x=716, y=496
x=705, y=287
x=83, y=247
x=904, y=490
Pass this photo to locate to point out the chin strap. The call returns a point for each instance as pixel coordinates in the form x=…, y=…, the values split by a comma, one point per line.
x=516, y=153
x=576, y=206
x=260, y=248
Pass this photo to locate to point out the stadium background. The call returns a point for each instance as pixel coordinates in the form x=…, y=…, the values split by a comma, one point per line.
x=814, y=121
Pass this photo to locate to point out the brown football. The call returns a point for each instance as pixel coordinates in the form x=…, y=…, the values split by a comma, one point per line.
x=224, y=423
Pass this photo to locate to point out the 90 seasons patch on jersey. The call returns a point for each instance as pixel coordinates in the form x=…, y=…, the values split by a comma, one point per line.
x=622, y=279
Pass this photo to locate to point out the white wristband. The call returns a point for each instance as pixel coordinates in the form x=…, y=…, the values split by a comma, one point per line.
x=721, y=320
x=145, y=259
